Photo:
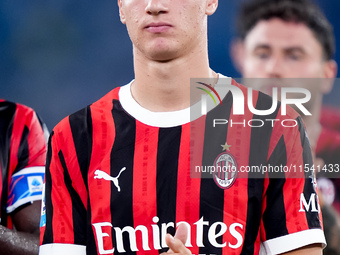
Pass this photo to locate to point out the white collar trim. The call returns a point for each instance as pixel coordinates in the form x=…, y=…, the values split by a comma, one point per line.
x=155, y=119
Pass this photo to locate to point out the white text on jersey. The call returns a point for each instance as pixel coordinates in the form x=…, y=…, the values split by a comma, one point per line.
x=215, y=230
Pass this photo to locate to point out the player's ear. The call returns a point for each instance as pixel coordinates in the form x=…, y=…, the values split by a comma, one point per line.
x=237, y=53
x=121, y=13
x=330, y=69
x=211, y=7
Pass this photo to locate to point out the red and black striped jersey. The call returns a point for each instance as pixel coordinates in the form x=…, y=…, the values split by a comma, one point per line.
x=119, y=177
x=22, y=157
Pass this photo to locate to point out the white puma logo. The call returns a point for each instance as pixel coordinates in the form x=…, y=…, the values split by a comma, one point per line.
x=99, y=174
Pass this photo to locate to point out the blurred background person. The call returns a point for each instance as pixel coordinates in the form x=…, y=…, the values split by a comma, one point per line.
x=280, y=39
x=22, y=160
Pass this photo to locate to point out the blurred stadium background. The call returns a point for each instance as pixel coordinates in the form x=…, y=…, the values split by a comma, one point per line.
x=58, y=56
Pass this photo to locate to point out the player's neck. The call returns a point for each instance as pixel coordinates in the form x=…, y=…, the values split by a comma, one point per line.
x=165, y=86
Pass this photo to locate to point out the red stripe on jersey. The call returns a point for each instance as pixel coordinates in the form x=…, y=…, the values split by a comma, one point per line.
x=62, y=220
x=238, y=210
x=103, y=138
x=42, y=233
x=144, y=184
x=9, y=223
x=197, y=129
x=299, y=220
x=188, y=189
x=18, y=128
x=36, y=141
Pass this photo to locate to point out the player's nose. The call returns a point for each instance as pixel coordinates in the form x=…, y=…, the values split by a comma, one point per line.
x=155, y=7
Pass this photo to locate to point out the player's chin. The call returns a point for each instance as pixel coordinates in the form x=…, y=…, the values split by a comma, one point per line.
x=162, y=49
x=163, y=55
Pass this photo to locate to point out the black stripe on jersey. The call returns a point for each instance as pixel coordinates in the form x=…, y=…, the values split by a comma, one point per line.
x=258, y=151
x=213, y=209
x=48, y=236
x=91, y=240
x=78, y=208
x=23, y=151
x=278, y=158
x=274, y=216
x=122, y=155
x=81, y=127
x=169, y=141
x=7, y=110
x=42, y=124
x=260, y=136
x=44, y=127
x=91, y=245
x=312, y=217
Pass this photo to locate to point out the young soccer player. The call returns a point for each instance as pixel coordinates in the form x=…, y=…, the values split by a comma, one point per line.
x=118, y=172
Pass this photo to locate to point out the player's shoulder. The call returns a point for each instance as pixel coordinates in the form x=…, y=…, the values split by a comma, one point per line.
x=265, y=101
x=82, y=117
x=6, y=105
x=243, y=88
x=105, y=102
x=257, y=96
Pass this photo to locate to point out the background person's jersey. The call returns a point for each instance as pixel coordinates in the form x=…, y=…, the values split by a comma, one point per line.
x=116, y=184
x=328, y=146
x=22, y=157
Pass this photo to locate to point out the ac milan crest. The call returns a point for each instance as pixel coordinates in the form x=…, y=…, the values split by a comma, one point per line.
x=225, y=169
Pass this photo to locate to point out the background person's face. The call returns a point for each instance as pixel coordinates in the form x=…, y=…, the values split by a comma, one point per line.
x=278, y=49
x=162, y=29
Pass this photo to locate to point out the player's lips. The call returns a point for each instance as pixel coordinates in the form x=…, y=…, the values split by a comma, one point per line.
x=158, y=27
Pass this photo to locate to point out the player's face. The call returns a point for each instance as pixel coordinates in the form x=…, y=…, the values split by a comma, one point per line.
x=165, y=29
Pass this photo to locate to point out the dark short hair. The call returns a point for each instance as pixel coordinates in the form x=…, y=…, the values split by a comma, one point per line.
x=302, y=11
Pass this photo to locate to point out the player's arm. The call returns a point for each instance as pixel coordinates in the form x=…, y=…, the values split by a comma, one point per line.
x=313, y=249
x=291, y=220
x=63, y=217
x=25, y=240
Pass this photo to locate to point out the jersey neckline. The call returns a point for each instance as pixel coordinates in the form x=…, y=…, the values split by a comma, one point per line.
x=156, y=119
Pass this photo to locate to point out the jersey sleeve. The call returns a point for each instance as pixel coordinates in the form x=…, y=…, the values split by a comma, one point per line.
x=291, y=216
x=27, y=158
x=26, y=186
x=63, y=216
